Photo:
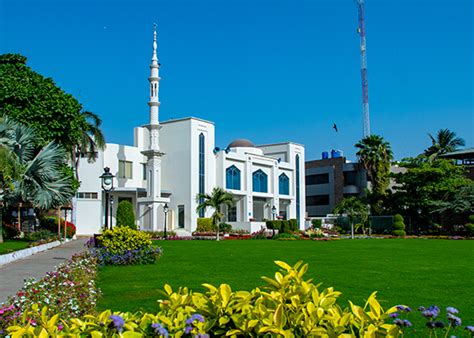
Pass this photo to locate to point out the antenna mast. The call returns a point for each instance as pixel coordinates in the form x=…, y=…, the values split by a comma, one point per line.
x=363, y=70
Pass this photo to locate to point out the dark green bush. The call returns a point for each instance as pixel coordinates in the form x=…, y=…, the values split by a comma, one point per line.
x=205, y=225
x=225, y=228
x=39, y=235
x=399, y=233
x=293, y=224
x=126, y=215
x=397, y=218
x=469, y=228
x=273, y=225
x=284, y=227
x=316, y=223
x=9, y=231
x=471, y=218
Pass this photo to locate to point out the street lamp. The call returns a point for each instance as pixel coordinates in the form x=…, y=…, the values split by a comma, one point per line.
x=165, y=210
x=107, y=185
x=274, y=212
x=111, y=210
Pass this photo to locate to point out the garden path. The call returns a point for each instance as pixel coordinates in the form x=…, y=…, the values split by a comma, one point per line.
x=12, y=275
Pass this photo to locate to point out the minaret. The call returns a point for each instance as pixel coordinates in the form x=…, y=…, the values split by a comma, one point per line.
x=153, y=152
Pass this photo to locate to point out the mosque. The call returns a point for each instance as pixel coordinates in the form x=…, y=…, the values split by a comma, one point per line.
x=172, y=161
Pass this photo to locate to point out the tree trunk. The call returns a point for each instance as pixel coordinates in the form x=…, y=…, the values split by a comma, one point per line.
x=1, y=222
x=352, y=229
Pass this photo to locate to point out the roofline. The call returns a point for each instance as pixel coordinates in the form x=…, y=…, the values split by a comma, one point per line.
x=186, y=119
x=280, y=144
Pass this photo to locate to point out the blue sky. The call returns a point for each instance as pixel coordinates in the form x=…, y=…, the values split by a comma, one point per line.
x=268, y=71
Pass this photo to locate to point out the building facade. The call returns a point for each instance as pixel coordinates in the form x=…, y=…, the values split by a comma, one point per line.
x=172, y=161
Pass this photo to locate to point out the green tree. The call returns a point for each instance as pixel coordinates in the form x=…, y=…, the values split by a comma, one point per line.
x=216, y=200
x=430, y=189
x=354, y=208
x=38, y=178
x=375, y=155
x=126, y=215
x=444, y=142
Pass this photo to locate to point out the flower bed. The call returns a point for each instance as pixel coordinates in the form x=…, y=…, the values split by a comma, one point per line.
x=69, y=291
x=124, y=246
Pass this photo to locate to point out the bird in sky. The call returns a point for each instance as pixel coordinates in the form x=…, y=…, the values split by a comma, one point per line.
x=334, y=127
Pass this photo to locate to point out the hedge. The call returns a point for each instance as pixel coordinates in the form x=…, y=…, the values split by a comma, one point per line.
x=126, y=215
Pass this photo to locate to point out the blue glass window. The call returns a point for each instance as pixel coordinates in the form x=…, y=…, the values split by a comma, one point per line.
x=201, y=170
x=284, y=184
x=232, y=178
x=260, y=181
x=298, y=202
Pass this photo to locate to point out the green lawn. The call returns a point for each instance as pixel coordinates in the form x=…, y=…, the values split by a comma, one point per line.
x=411, y=272
x=10, y=245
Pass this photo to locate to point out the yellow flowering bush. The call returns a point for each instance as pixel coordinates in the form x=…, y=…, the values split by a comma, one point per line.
x=120, y=239
x=288, y=306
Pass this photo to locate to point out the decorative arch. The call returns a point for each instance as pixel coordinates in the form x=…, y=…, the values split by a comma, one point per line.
x=284, y=184
x=260, y=181
x=232, y=178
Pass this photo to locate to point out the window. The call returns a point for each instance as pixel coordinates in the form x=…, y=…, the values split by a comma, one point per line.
x=284, y=184
x=260, y=181
x=317, y=200
x=232, y=178
x=317, y=179
x=144, y=170
x=350, y=178
x=201, y=170
x=298, y=202
x=232, y=214
x=87, y=195
x=181, y=216
x=125, y=169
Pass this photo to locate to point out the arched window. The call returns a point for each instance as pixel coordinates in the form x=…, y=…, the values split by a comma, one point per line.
x=232, y=178
x=298, y=202
x=284, y=184
x=260, y=181
x=201, y=170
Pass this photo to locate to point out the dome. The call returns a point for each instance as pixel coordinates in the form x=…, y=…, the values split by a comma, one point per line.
x=241, y=143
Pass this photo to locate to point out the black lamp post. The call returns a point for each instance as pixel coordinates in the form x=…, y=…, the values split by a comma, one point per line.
x=274, y=212
x=107, y=185
x=165, y=210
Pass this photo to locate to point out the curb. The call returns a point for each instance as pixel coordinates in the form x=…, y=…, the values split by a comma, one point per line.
x=16, y=255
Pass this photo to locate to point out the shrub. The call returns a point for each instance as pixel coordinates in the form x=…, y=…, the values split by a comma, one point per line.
x=284, y=227
x=398, y=218
x=469, y=228
x=9, y=231
x=126, y=215
x=273, y=225
x=293, y=224
x=290, y=306
x=39, y=235
x=205, y=224
x=119, y=239
x=316, y=223
x=471, y=218
x=51, y=224
x=160, y=234
x=398, y=226
x=225, y=228
x=399, y=233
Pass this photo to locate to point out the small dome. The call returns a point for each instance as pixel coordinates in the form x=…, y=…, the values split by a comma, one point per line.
x=241, y=143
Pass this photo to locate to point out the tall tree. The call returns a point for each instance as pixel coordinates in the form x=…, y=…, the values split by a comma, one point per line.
x=375, y=155
x=444, y=142
x=38, y=179
x=353, y=208
x=216, y=200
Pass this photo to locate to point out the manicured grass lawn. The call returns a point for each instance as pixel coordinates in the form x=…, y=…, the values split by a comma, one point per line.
x=12, y=245
x=411, y=272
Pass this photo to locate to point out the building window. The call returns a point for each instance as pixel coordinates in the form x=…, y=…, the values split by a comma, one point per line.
x=144, y=170
x=284, y=184
x=260, y=181
x=232, y=214
x=125, y=169
x=317, y=200
x=201, y=170
x=232, y=178
x=317, y=179
x=87, y=195
x=298, y=202
x=350, y=178
x=181, y=216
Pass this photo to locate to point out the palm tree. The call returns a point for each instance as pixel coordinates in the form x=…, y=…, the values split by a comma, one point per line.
x=90, y=142
x=353, y=208
x=444, y=142
x=216, y=200
x=38, y=177
x=375, y=155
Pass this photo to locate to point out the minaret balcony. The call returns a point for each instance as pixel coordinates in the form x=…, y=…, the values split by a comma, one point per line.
x=154, y=78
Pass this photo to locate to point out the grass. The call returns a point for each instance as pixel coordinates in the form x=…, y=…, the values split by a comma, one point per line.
x=411, y=272
x=10, y=245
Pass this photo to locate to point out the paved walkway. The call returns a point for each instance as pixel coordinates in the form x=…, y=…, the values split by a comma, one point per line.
x=13, y=275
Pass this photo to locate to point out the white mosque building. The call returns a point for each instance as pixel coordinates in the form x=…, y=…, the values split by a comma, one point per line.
x=172, y=161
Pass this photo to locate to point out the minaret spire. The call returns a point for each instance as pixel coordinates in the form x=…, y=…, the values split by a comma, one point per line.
x=154, y=80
